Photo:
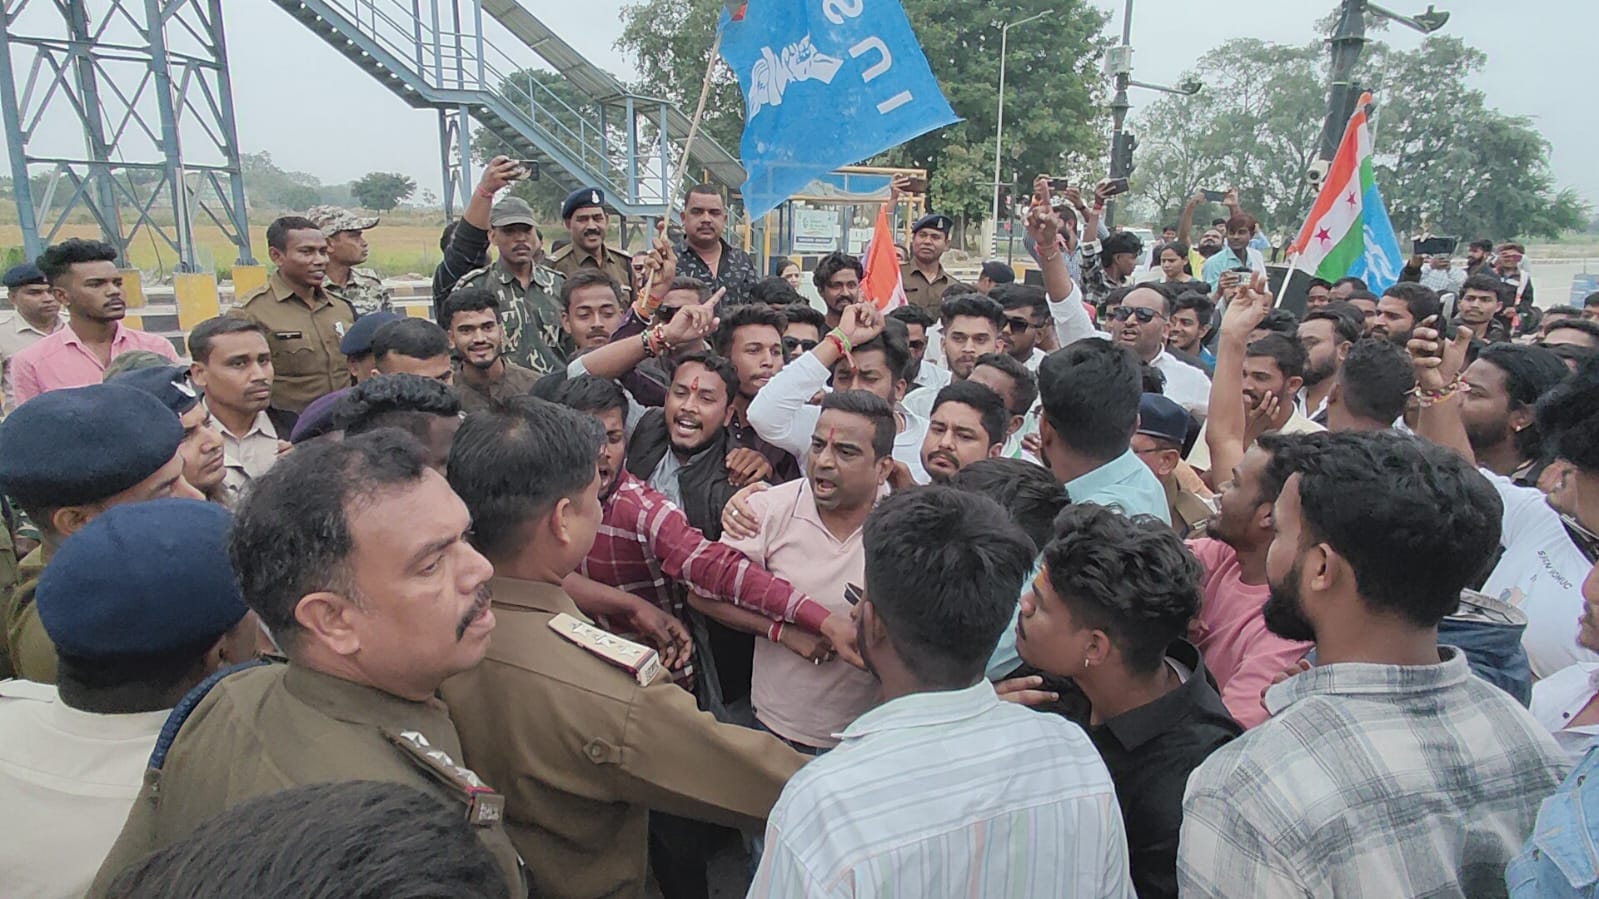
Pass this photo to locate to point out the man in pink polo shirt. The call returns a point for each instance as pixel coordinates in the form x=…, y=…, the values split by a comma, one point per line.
x=1231, y=633
x=84, y=277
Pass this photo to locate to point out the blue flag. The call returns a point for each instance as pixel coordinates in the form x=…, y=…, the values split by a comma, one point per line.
x=1380, y=264
x=826, y=83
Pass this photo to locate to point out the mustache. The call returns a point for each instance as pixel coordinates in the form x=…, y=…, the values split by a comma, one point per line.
x=948, y=456
x=479, y=603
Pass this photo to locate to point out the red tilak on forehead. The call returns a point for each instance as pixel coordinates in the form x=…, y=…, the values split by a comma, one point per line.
x=694, y=385
x=830, y=432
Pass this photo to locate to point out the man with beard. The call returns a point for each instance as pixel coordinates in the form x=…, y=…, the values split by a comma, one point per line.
x=591, y=308
x=1236, y=254
x=354, y=555
x=1481, y=298
x=583, y=213
x=867, y=351
x=968, y=423
x=751, y=337
x=924, y=276
x=1386, y=763
x=527, y=291
x=85, y=280
x=704, y=255
x=483, y=376
x=233, y=370
x=970, y=326
x=1479, y=255
x=803, y=330
x=36, y=313
x=1142, y=324
x=1027, y=319
x=584, y=749
x=1498, y=399
x=901, y=809
x=838, y=279
x=1271, y=375
x=1210, y=243
x=1345, y=287
x=1327, y=333
x=1401, y=308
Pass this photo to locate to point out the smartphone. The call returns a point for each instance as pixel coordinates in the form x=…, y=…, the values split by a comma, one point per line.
x=916, y=185
x=1116, y=186
x=1215, y=196
x=527, y=170
x=1059, y=184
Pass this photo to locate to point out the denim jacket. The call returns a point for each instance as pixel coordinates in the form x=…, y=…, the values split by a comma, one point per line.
x=1561, y=858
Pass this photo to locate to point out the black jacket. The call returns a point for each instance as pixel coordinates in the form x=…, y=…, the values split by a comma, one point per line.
x=702, y=480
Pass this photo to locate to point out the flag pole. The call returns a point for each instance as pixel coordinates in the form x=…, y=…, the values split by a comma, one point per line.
x=688, y=149
x=1293, y=266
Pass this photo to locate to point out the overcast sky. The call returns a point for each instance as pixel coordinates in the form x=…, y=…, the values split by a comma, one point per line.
x=316, y=112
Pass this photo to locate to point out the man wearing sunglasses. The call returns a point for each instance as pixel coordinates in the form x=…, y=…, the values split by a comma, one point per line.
x=1142, y=323
x=804, y=331
x=1026, y=316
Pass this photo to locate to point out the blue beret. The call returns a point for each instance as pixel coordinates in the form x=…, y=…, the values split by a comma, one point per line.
x=935, y=221
x=580, y=198
x=84, y=444
x=141, y=579
x=358, y=340
x=167, y=383
x=1162, y=418
x=23, y=273
x=317, y=419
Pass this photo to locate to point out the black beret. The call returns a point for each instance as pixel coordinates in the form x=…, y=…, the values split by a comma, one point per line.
x=84, y=444
x=142, y=578
x=23, y=273
x=167, y=383
x=358, y=340
x=936, y=221
x=580, y=198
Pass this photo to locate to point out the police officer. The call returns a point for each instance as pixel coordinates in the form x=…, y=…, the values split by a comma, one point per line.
x=65, y=457
x=304, y=323
x=36, y=313
x=923, y=276
x=527, y=291
x=143, y=606
x=347, y=248
x=584, y=748
x=586, y=221
x=357, y=344
x=1158, y=442
x=204, y=467
x=352, y=555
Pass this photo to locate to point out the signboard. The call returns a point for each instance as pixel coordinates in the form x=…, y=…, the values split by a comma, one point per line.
x=815, y=230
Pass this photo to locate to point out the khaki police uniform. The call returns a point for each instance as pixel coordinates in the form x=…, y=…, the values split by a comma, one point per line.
x=530, y=317
x=276, y=726
x=568, y=261
x=1188, y=502
x=304, y=338
x=32, y=654
x=584, y=752
x=364, y=292
x=924, y=293
x=516, y=381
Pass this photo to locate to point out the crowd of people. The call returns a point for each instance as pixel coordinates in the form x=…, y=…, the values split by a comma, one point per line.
x=1119, y=579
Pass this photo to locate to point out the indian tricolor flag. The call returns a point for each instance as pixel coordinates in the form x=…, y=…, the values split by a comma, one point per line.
x=1347, y=231
x=883, y=285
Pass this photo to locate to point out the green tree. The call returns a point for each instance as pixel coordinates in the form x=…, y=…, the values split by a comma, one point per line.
x=268, y=185
x=382, y=191
x=1053, y=99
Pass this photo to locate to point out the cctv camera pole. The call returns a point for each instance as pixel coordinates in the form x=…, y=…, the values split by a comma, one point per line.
x=1349, y=38
x=1122, y=69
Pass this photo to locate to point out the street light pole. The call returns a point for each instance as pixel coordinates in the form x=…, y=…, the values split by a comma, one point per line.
x=1119, y=105
x=999, y=128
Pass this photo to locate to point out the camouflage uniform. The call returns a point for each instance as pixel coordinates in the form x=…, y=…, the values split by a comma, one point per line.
x=364, y=291
x=530, y=319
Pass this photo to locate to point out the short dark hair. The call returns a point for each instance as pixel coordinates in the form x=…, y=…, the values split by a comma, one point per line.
x=315, y=840
x=832, y=264
x=1021, y=296
x=291, y=534
x=745, y=315
x=1090, y=389
x=1026, y=382
x=514, y=463
x=1241, y=220
x=399, y=400
x=708, y=190
x=1129, y=577
x=1287, y=352
x=944, y=569
x=989, y=406
x=913, y=315
x=467, y=299
x=1580, y=325
x=1027, y=490
x=1318, y=282
x=588, y=277
x=59, y=258
x=201, y=338
x=894, y=343
x=1204, y=308
x=416, y=338
x=971, y=305
x=1353, y=281
x=591, y=395
x=1282, y=461
x=131, y=683
x=774, y=291
x=1488, y=284
x=1568, y=418
x=684, y=282
x=1349, y=323
x=1421, y=301
x=1591, y=299
x=871, y=407
x=277, y=233
x=1482, y=244
x=1361, y=293
x=1567, y=310
x=1280, y=321
x=1377, y=378
x=1383, y=501
x=717, y=365
x=1530, y=373
x=1152, y=379
x=1512, y=245
x=803, y=313
x=1120, y=242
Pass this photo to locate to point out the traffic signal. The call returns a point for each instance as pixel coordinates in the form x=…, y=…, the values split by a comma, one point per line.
x=1121, y=154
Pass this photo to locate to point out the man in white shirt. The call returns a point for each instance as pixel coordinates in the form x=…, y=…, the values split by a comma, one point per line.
x=142, y=605
x=1143, y=322
x=943, y=790
x=969, y=327
x=875, y=362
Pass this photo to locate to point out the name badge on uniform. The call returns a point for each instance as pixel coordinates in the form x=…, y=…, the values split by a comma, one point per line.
x=288, y=335
x=484, y=807
x=338, y=328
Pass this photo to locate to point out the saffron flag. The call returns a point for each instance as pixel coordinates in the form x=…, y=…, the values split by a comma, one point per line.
x=1348, y=232
x=825, y=85
x=883, y=285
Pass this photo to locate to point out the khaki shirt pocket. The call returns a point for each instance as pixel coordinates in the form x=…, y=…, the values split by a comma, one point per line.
x=295, y=353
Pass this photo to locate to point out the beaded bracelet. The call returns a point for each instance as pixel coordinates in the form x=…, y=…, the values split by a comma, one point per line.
x=1434, y=397
x=838, y=336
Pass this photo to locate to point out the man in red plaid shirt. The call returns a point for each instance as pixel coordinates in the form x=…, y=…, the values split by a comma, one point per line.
x=646, y=547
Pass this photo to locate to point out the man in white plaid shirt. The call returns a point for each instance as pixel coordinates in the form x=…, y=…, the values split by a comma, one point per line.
x=1387, y=769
